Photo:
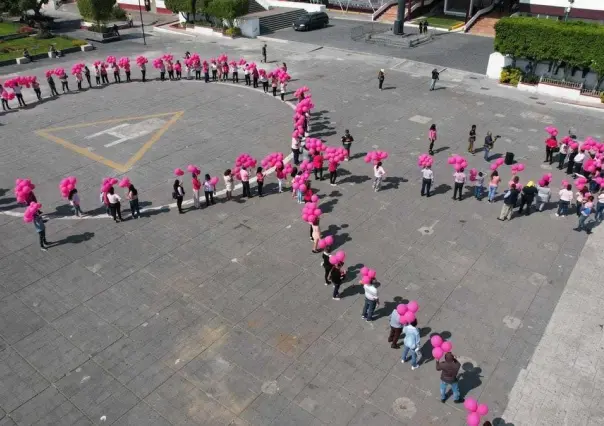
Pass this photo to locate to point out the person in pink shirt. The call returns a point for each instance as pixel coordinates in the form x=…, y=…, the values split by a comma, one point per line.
x=432, y=138
x=493, y=184
x=170, y=69
x=333, y=172
x=280, y=176
x=245, y=182
x=317, y=161
x=127, y=71
x=178, y=69
x=196, y=187
x=550, y=147
x=260, y=180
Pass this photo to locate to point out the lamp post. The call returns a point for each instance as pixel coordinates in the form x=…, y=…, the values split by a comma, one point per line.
x=140, y=10
x=568, y=9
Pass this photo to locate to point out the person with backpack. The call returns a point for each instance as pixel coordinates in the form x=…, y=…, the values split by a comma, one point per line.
x=178, y=194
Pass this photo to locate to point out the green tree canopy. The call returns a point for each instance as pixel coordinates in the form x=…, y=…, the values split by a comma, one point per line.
x=228, y=10
x=96, y=10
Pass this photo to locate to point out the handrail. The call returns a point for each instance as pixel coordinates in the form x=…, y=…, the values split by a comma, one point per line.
x=382, y=9
x=417, y=4
x=478, y=14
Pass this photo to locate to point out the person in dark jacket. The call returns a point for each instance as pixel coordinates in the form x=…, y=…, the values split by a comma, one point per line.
x=448, y=377
x=509, y=202
x=336, y=275
x=326, y=265
x=435, y=74
x=529, y=192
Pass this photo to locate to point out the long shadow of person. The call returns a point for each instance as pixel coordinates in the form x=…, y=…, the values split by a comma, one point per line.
x=392, y=183
x=73, y=239
x=469, y=379
x=498, y=421
x=387, y=308
x=443, y=188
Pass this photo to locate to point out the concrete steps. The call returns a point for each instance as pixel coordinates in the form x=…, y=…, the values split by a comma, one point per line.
x=277, y=18
x=485, y=25
x=254, y=6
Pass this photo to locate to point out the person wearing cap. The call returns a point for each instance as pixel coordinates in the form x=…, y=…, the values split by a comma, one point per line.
x=529, y=192
x=381, y=78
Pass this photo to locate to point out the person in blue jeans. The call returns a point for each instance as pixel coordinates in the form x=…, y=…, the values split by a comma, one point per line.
x=449, y=369
x=411, y=343
x=371, y=300
x=585, y=211
x=600, y=206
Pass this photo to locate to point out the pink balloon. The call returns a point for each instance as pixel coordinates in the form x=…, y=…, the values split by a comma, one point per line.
x=446, y=346
x=483, y=409
x=364, y=270
x=470, y=404
x=317, y=212
x=401, y=309
x=437, y=353
x=413, y=306
x=314, y=198
x=305, y=218
x=178, y=172
x=451, y=160
x=436, y=341
x=329, y=240
x=322, y=244
x=473, y=419
x=311, y=218
x=302, y=188
x=365, y=280
x=409, y=317
x=333, y=260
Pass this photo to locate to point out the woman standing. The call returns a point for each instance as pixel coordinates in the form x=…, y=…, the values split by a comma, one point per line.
x=459, y=179
x=381, y=78
x=432, y=138
x=196, y=184
x=97, y=75
x=135, y=210
x=228, y=183
x=104, y=78
x=562, y=154
x=115, y=205
x=87, y=75
x=208, y=190
x=550, y=147
x=36, y=86
x=162, y=71
x=64, y=83
x=74, y=200
x=283, y=88
x=572, y=153
x=255, y=76
x=472, y=139
x=493, y=184
x=178, y=194
x=170, y=69
x=116, y=73
x=260, y=181
x=332, y=167
x=336, y=276
x=273, y=85
x=378, y=173
x=316, y=235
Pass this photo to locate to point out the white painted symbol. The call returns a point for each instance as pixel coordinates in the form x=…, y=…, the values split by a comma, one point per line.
x=103, y=418
x=500, y=115
x=125, y=131
x=84, y=379
x=270, y=387
x=420, y=119
x=512, y=322
x=428, y=230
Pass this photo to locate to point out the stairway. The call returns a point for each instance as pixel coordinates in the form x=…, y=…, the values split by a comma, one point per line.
x=485, y=25
x=254, y=6
x=389, y=15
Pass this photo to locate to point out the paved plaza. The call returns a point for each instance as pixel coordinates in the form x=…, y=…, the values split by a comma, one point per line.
x=220, y=316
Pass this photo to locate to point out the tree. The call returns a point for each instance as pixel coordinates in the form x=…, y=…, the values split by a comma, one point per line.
x=188, y=7
x=228, y=10
x=99, y=11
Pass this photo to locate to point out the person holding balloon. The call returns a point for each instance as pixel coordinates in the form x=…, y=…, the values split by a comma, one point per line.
x=40, y=229
x=209, y=187
x=326, y=255
x=196, y=184
x=228, y=183
x=396, y=327
x=372, y=298
x=337, y=272
x=411, y=343
x=449, y=369
x=74, y=200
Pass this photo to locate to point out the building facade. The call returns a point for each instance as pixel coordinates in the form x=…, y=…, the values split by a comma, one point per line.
x=592, y=10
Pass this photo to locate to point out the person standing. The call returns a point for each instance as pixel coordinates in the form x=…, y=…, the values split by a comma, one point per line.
x=19, y=95
x=235, y=73
x=296, y=149
x=600, y=206
x=562, y=154
x=579, y=158
x=64, y=82
x=162, y=71
x=228, y=183
x=493, y=184
x=381, y=78
x=264, y=81
x=170, y=69
x=127, y=72
x=570, y=165
x=315, y=235
x=509, y=202
x=432, y=136
x=130, y=20
x=36, y=86
x=255, y=76
x=79, y=79
x=371, y=300
x=378, y=173
x=116, y=73
x=115, y=205
x=283, y=87
x=135, y=210
x=472, y=139
x=208, y=190
x=178, y=194
x=529, y=192
x=426, y=27
x=427, y=180
x=245, y=182
x=97, y=75
x=264, y=53
x=586, y=210
x=544, y=194
x=566, y=198
x=459, y=179
x=87, y=75
x=104, y=78
x=317, y=162
x=273, y=85
x=41, y=230
x=332, y=167
x=479, y=185
x=214, y=70
x=435, y=74
x=449, y=369
x=53, y=87
x=260, y=181
x=411, y=344
x=196, y=184
x=347, y=141
x=396, y=328
x=74, y=200
x=336, y=276
x=325, y=263
x=143, y=68
x=489, y=143
x=5, y=106
x=550, y=147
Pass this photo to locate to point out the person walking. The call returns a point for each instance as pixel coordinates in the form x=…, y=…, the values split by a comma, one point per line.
x=544, y=194
x=432, y=136
x=493, y=184
x=196, y=184
x=472, y=139
x=566, y=198
x=427, y=180
x=411, y=344
x=396, y=328
x=562, y=154
x=53, y=87
x=435, y=77
x=228, y=183
x=336, y=276
x=260, y=181
x=509, y=202
x=178, y=194
x=263, y=53
x=381, y=78
x=317, y=162
x=41, y=230
x=74, y=200
x=296, y=148
x=459, y=178
x=347, y=141
x=551, y=144
x=208, y=190
x=135, y=210
x=586, y=210
x=36, y=86
x=529, y=192
x=489, y=143
x=245, y=183
x=449, y=368
x=325, y=263
x=332, y=167
x=372, y=300
x=19, y=95
x=87, y=75
x=315, y=235
x=378, y=173
x=115, y=205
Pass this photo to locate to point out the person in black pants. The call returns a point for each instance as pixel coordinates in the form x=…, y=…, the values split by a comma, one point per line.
x=571, y=160
x=260, y=181
x=178, y=194
x=381, y=78
x=87, y=75
x=326, y=265
x=427, y=179
x=336, y=276
x=53, y=87
x=264, y=53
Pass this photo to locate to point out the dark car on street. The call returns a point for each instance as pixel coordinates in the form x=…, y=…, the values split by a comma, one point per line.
x=311, y=21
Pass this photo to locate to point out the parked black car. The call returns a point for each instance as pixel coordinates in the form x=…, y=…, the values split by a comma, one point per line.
x=310, y=21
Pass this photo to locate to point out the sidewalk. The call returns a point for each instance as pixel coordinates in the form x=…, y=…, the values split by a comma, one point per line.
x=70, y=11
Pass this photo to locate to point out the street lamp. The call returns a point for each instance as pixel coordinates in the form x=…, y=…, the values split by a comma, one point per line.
x=568, y=9
x=140, y=9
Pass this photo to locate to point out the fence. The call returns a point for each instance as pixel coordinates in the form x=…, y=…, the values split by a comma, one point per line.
x=561, y=83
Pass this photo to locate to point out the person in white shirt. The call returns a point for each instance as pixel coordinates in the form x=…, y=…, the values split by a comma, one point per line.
x=566, y=197
x=579, y=158
x=562, y=155
x=19, y=95
x=600, y=206
x=114, y=205
x=245, y=182
x=378, y=173
x=296, y=149
x=459, y=179
x=427, y=180
x=371, y=300
x=283, y=88
x=214, y=70
x=208, y=190
x=246, y=74
x=235, y=73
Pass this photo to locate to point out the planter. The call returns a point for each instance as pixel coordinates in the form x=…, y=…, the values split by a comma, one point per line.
x=106, y=37
x=15, y=36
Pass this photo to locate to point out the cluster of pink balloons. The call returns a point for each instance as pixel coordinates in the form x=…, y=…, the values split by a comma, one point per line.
x=367, y=275
x=193, y=169
x=9, y=96
x=458, y=162
x=281, y=75
x=325, y=242
x=425, y=160
x=272, y=159
x=497, y=163
x=67, y=185
x=475, y=411
x=111, y=60
x=31, y=211
x=23, y=187
x=194, y=60
x=545, y=179
x=108, y=183
x=580, y=183
x=304, y=90
x=517, y=168
x=439, y=346
x=591, y=144
x=375, y=156
x=552, y=131
x=299, y=183
x=214, y=181
x=158, y=63
x=306, y=166
x=246, y=161
x=124, y=183
x=407, y=311
x=56, y=71
x=77, y=69
x=141, y=60
x=20, y=80
x=124, y=62
x=337, y=257
x=311, y=212
x=285, y=168
x=314, y=145
x=473, y=174
x=335, y=155
x=178, y=172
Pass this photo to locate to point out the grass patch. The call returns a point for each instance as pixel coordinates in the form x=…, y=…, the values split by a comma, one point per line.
x=440, y=21
x=7, y=28
x=14, y=48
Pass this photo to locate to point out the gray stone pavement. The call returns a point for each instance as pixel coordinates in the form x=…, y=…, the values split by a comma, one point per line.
x=220, y=316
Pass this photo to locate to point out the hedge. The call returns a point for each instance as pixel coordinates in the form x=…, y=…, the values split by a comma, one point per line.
x=576, y=43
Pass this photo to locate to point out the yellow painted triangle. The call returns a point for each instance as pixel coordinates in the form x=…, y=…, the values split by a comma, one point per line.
x=155, y=136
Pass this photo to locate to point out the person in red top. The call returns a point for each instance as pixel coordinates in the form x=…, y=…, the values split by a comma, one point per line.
x=550, y=147
x=317, y=161
x=260, y=181
x=280, y=176
x=333, y=174
x=196, y=187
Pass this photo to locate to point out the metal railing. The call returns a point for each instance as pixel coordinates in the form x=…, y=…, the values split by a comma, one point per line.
x=592, y=92
x=561, y=83
x=478, y=14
